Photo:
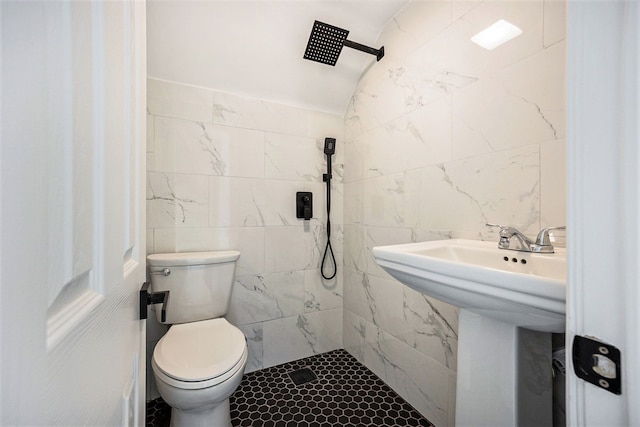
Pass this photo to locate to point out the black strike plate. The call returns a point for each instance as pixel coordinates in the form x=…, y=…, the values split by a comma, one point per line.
x=597, y=363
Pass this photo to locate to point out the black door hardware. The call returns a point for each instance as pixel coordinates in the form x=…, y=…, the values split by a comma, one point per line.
x=147, y=298
x=597, y=363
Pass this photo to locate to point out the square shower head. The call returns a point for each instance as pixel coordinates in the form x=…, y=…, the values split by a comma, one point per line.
x=325, y=43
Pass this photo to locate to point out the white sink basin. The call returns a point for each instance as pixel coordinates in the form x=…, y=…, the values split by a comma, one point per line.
x=520, y=288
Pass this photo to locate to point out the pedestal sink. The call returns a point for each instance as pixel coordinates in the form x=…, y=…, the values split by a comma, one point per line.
x=509, y=303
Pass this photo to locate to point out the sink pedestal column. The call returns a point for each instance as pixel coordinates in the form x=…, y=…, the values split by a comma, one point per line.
x=504, y=374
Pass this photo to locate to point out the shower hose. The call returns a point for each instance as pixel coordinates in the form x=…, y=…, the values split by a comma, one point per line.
x=328, y=250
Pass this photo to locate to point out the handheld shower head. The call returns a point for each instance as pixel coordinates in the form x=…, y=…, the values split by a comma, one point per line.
x=329, y=146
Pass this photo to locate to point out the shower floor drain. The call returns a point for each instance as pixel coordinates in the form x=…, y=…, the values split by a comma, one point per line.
x=302, y=376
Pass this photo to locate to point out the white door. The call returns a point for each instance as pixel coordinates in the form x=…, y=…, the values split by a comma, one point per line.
x=72, y=253
x=604, y=206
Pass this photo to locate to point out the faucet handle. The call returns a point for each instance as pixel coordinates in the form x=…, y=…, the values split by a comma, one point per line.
x=543, y=237
x=488, y=224
x=503, y=228
x=505, y=238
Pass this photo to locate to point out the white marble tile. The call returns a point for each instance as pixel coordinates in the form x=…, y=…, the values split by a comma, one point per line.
x=352, y=126
x=355, y=256
x=253, y=113
x=460, y=7
x=388, y=97
x=293, y=158
x=414, y=25
x=355, y=159
x=403, y=88
x=380, y=236
x=266, y=297
x=290, y=248
x=426, y=235
x=149, y=157
x=453, y=53
x=253, y=333
x=191, y=147
x=150, y=135
x=553, y=184
x=149, y=241
x=248, y=240
x=301, y=336
x=500, y=188
x=376, y=300
x=451, y=408
x=527, y=15
x=540, y=80
x=320, y=293
x=279, y=203
x=177, y=200
x=413, y=197
x=431, y=327
x=555, y=21
x=354, y=331
x=416, y=377
x=353, y=200
x=240, y=202
x=420, y=138
x=468, y=141
x=499, y=117
x=179, y=101
x=384, y=201
x=535, y=382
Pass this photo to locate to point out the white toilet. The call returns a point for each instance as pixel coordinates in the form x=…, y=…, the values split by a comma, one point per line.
x=200, y=361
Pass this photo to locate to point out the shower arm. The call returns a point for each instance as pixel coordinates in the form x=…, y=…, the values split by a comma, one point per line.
x=378, y=53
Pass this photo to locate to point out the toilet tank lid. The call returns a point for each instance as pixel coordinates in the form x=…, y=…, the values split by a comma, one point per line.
x=191, y=258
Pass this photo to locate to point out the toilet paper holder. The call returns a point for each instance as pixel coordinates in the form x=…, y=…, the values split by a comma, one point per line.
x=147, y=298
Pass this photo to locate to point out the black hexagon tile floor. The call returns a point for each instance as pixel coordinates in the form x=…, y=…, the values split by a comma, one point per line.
x=329, y=389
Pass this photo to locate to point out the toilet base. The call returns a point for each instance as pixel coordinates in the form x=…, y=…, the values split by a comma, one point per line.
x=216, y=416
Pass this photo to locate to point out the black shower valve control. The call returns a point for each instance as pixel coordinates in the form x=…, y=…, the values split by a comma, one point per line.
x=304, y=205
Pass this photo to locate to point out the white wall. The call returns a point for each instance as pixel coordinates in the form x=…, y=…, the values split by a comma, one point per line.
x=443, y=136
x=223, y=171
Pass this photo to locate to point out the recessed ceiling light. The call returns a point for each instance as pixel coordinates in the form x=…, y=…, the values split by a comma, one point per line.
x=497, y=34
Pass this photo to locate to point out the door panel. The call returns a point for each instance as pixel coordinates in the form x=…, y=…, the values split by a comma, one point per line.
x=604, y=203
x=73, y=132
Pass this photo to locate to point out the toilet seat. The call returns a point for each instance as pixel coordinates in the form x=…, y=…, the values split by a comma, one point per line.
x=199, y=354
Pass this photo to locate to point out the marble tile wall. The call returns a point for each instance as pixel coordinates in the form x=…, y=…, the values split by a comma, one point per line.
x=442, y=137
x=223, y=171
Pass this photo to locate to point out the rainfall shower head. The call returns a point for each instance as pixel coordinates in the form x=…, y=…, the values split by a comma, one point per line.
x=326, y=42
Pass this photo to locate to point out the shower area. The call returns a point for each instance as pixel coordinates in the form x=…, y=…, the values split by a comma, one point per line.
x=438, y=138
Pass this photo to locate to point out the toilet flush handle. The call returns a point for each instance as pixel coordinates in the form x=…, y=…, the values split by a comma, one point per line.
x=163, y=272
x=147, y=298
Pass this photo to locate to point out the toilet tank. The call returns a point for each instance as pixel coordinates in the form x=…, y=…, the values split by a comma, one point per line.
x=199, y=283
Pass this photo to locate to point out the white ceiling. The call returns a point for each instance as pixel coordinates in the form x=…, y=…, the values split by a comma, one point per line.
x=255, y=47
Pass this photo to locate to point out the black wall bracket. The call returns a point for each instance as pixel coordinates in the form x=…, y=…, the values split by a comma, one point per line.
x=147, y=298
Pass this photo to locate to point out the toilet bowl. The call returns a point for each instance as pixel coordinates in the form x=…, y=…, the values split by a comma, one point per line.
x=199, y=362
x=197, y=366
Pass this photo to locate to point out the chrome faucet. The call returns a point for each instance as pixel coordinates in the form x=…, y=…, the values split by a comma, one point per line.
x=542, y=243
